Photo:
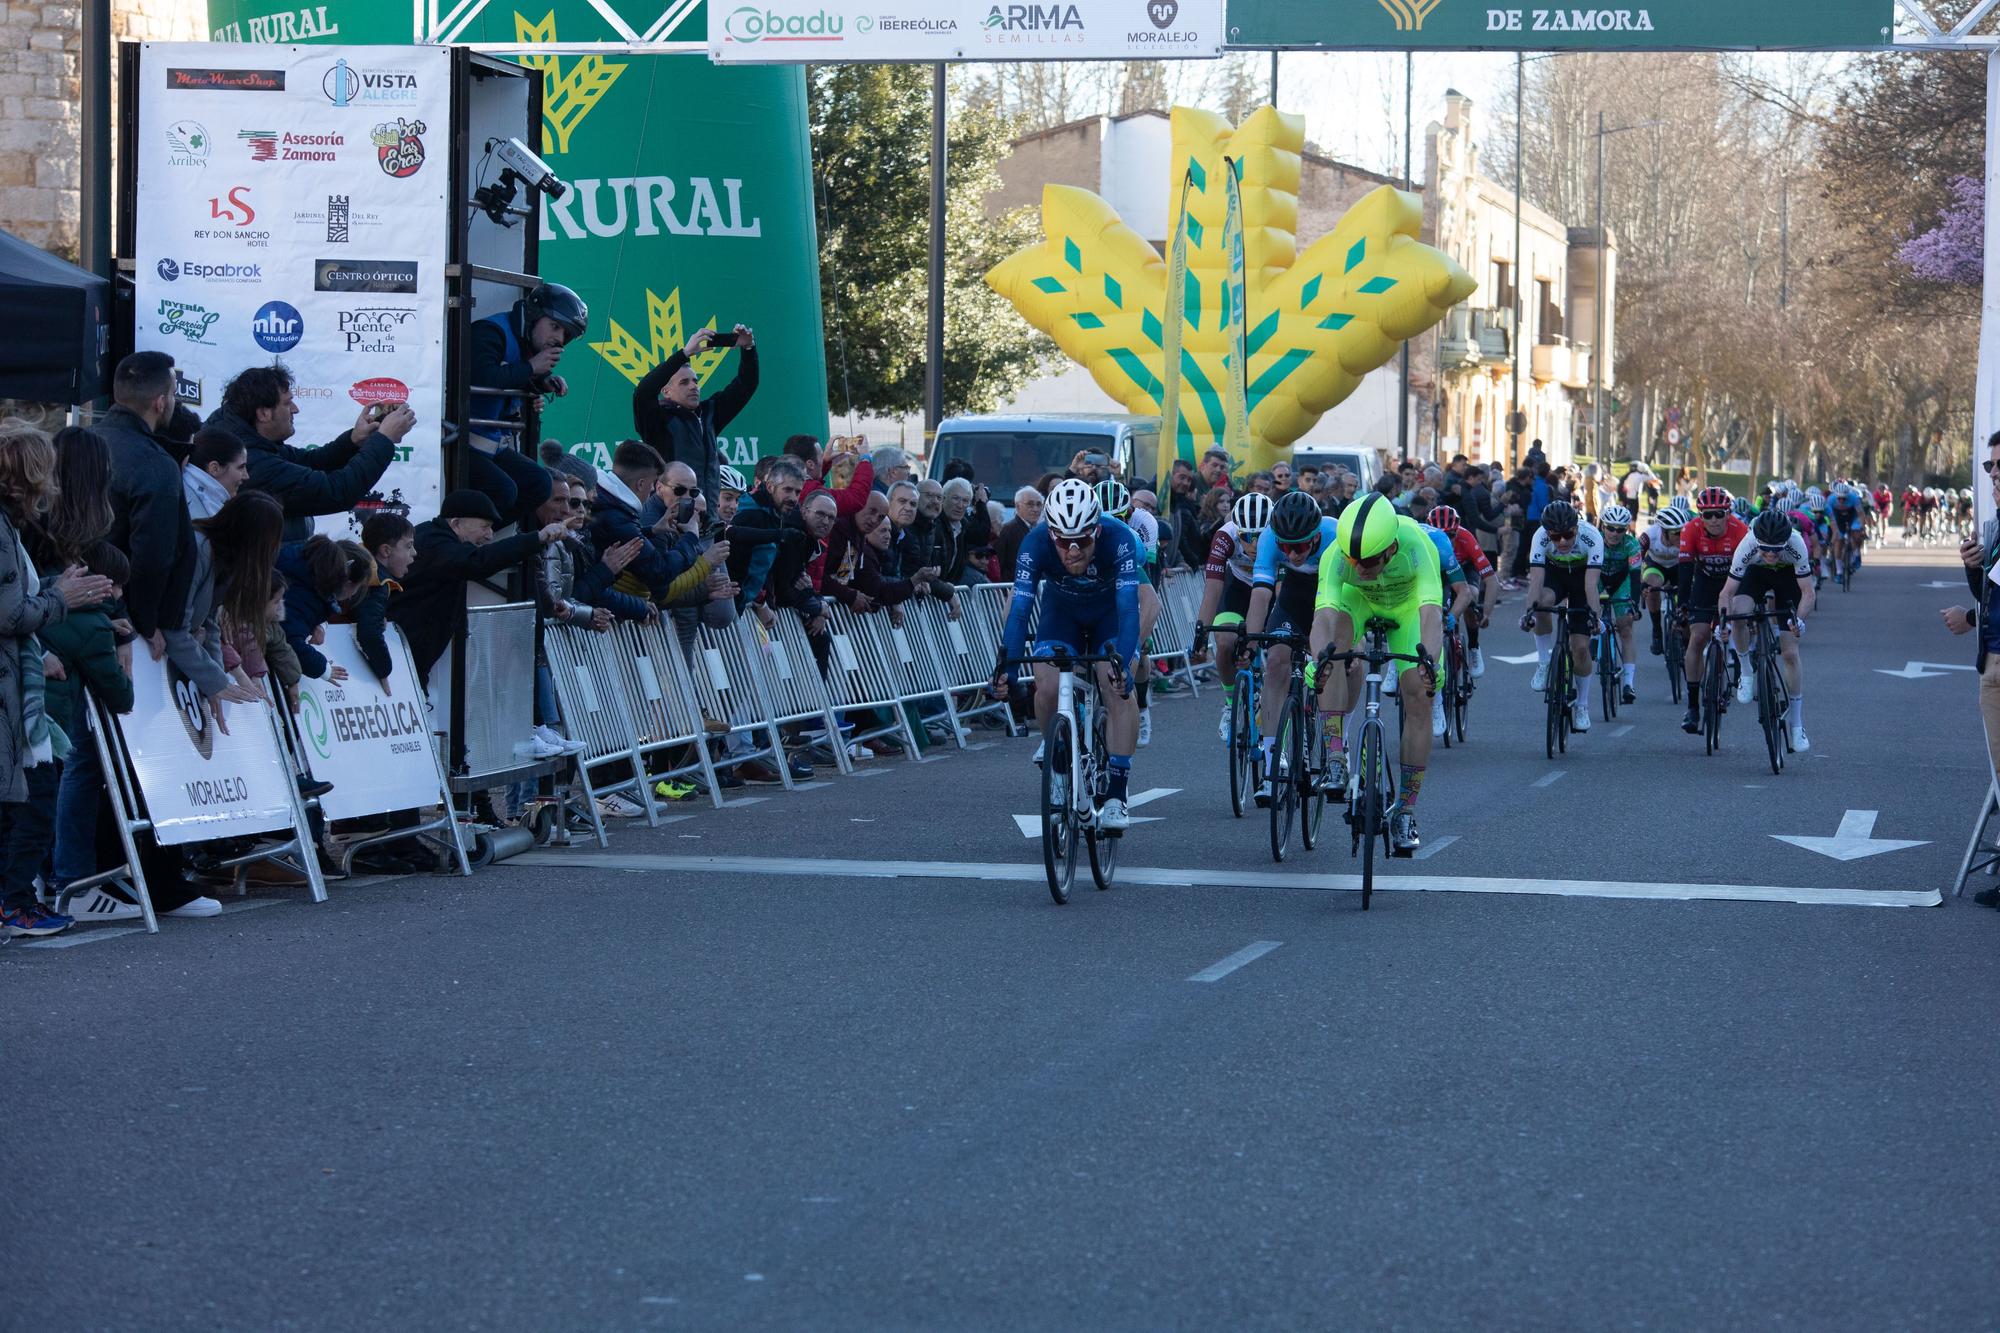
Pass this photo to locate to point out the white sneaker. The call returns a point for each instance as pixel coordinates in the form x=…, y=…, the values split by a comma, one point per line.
x=1040, y=746
x=1579, y=716
x=1746, y=688
x=536, y=748
x=1799, y=743
x=1222, y=727
x=1112, y=816
x=1478, y=663
x=618, y=807
x=94, y=905
x=1437, y=715
x=1145, y=726
x=198, y=907
x=548, y=735
x=1541, y=678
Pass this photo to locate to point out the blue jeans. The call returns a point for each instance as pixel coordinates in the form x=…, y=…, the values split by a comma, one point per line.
x=25, y=830
x=77, y=798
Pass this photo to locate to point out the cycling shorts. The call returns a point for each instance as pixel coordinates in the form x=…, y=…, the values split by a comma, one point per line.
x=1847, y=520
x=1408, y=634
x=1657, y=576
x=1235, y=601
x=1296, y=601
x=1070, y=628
x=1562, y=586
x=1783, y=584
x=1702, y=598
x=1622, y=594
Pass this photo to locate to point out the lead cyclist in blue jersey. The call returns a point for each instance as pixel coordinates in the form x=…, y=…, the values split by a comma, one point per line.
x=1084, y=565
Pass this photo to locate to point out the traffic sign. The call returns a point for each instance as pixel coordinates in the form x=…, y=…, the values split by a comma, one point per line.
x=1673, y=435
x=1673, y=416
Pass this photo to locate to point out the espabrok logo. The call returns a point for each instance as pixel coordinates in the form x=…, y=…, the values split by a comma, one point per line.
x=171, y=270
x=751, y=24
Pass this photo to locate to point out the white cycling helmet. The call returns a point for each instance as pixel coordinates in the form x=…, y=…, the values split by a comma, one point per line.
x=1113, y=497
x=732, y=480
x=1615, y=516
x=1680, y=504
x=1252, y=513
x=1072, y=510
x=1672, y=520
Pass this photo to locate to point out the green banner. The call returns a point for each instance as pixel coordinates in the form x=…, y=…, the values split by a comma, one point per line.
x=1483, y=25
x=690, y=205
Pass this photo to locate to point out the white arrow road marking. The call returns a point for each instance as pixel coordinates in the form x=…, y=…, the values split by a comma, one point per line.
x=1959, y=584
x=1249, y=953
x=1852, y=840
x=1515, y=661
x=1031, y=825
x=1923, y=670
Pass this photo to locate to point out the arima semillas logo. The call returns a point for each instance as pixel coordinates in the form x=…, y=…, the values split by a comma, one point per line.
x=277, y=327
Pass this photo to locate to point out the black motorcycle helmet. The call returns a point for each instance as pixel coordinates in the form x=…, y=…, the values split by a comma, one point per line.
x=558, y=303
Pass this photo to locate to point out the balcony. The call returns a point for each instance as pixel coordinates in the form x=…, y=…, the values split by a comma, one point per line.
x=1552, y=361
x=1494, y=330
x=1579, y=367
x=1460, y=347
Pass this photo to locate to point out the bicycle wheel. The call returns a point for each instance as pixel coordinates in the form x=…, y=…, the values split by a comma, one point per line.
x=1771, y=691
x=1447, y=683
x=1607, y=671
x=1715, y=684
x=1676, y=661
x=1284, y=786
x=1308, y=777
x=1058, y=815
x=1559, y=669
x=1374, y=778
x=1242, y=745
x=1103, y=846
x=1458, y=704
x=1551, y=694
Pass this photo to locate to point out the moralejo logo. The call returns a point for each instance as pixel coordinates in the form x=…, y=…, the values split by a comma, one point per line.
x=399, y=146
x=189, y=320
x=1409, y=14
x=1163, y=12
x=277, y=326
x=187, y=144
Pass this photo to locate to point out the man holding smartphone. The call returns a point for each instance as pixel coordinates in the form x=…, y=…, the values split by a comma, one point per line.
x=670, y=414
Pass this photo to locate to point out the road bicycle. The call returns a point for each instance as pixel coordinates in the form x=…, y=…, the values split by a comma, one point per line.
x=1458, y=684
x=1076, y=772
x=1719, y=675
x=1245, y=750
x=1676, y=640
x=1558, y=690
x=1610, y=658
x=1774, y=701
x=1371, y=785
x=1298, y=757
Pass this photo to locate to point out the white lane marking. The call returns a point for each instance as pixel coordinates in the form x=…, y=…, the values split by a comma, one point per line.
x=1179, y=878
x=1549, y=779
x=1922, y=670
x=1516, y=661
x=1625, y=730
x=1150, y=795
x=1959, y=584
x=1432, y=846
x=1031, y=825
x=1852, y=840
x=1249, y=953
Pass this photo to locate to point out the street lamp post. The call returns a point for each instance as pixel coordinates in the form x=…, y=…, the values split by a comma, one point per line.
x=1602, y=362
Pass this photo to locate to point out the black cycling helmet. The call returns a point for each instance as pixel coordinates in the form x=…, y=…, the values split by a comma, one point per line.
x=558, y=303
x=1296, y=517
x=1559, y=518
x=1772, y=528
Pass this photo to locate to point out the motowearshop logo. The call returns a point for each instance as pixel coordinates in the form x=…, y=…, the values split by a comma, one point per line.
x=277, y=326
x=189, y=320
x=226, y=80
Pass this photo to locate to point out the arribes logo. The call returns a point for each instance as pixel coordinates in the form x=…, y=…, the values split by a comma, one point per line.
x=187, y=389
x=277, y=326
x=344, y=85
x=1163, y=12
x=193, y=710
x=189, y=320
x=270, y=146
x=187, y=144
x=375, y=329
x=364, y=275
x=226, y=80
x=399, y=146
x=381, y=389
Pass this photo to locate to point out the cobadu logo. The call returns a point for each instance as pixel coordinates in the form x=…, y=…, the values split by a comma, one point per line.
x=375, y=329
x=1163, y=12
x=399, y=146
x=277, y=326
x=364, y=275
x=750, y=24
x=189, y=320
x=171, y=270
x=1410, y=14
x=344, y=85
x=195, y=720
x=1034, y=18
x=187, y=144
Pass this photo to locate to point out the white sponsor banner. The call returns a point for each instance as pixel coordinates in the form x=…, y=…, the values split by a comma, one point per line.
x=368, y=739
x=794, y=31
x=292, y=208
x=198, y=782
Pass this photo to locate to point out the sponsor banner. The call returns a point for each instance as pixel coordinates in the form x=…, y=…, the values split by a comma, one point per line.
x=369, y=740
x=792, y=31
x=1482, y=25
x=200, y=783
x=289, y=211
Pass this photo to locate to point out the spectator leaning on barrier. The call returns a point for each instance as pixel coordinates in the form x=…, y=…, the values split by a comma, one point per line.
x=668, y=550
x=452, y=549
x=796, y=576
x=702, y=593
x=258, y=409
x=760, y=526
x=217, y=466
x=670, y=414
x=86, y=643
x=518, y=350
x=391, y=543
x=149, y=516
x=320, y=575
x=905, y=554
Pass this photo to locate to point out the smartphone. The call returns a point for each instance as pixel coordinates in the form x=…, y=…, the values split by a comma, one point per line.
x=380, y=410
x=721, y=339
x=685, y=511
x=1097, y=459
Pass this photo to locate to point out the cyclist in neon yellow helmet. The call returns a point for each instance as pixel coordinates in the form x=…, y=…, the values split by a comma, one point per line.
x=1382, y=564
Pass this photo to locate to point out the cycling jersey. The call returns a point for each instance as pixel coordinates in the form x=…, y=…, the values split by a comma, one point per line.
x=1657, y=553
x=1147, y=529
x=1465, y=547
x=1449, y=571
x=1586, y=552
x=1621, y=562
x=1296, y=580
x=1408, y=581
x=1230, y=556
x=1089, y=612
x=1705, y=564
x=1750, y=554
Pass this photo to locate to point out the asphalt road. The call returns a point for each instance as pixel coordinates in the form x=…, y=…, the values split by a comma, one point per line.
x=708, y=1080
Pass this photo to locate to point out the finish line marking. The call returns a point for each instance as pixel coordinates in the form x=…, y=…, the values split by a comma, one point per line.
x=1165, y=878
x=1249, y=953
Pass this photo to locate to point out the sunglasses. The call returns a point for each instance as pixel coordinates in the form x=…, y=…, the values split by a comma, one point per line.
x=578, y=504
x=1075, y=543
x=1613, y=530
x=1989, y=466
x=1562, y=536
x=1298, y=548
x=1375, y=561
x=685, y=490
x=1774, y=550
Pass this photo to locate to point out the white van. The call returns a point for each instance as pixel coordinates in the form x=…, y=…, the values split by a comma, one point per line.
x=1362, y=461
x=1009, y=452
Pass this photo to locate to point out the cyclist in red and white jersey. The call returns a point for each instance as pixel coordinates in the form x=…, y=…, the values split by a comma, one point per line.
x=1708, y=546
x=1477, y=567
x=1232, y=559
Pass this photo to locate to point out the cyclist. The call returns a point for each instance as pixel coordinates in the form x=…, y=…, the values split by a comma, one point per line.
x=1707, y=547
x=1382, y=566
x=1621, y=580
x=1773, y=559
x=1465, y=547
x=1114, y=499
x=1283, y=587
x=1232, y=559
x=1913, y=503
x=1565, y=566
x=1885, y=500
x=1086, y=565
x=1454, y=587
x=1660, y=561
x=1844, y=517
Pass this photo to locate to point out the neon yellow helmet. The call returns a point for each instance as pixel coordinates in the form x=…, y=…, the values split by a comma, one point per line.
x=1368, y=527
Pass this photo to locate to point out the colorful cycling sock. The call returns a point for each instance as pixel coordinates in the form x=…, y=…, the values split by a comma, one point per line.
x=1335, y=724
x=1413, y=782
x=1118, y=772
x=1544, y=644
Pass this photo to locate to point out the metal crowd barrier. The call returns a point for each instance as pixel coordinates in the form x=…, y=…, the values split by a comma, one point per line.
x=798, y=695
x=732, y=692
x=1173, y=632
x=859, y=679
x=665, y=712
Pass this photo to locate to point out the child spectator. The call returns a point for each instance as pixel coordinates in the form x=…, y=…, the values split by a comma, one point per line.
x=453, y=548
x=320, y=576
x=86, y=645
x=391, y=542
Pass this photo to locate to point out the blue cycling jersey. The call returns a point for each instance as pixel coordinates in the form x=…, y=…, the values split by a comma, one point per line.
x=1449, y=571
x=1109, y=583
x=1269, y=559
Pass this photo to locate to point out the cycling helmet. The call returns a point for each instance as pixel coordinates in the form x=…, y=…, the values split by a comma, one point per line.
x=1772, y=528
x=732, y=480
x=1369, y=528
x=1296, y=517
x=1616, y=516
x=1559, y=518
x=1713, y=497
x=559, y=303
x=1672, y=520
x=1444, y=518
x=1252, y=514
x=1114, y=498
x=1073, y=510
x=1742, y=508
x=1680, y=504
